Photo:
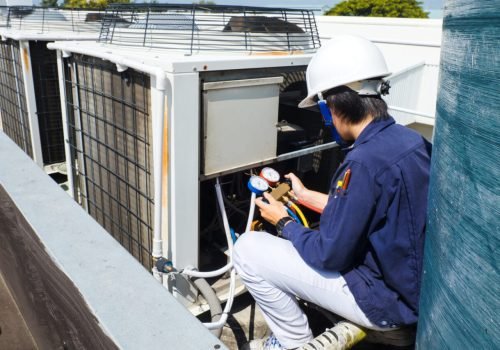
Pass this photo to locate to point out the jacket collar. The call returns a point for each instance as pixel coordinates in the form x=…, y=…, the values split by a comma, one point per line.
x=371, y=130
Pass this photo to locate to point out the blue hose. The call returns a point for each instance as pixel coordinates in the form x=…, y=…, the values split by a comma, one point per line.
x=233, y=235
x=294, y=217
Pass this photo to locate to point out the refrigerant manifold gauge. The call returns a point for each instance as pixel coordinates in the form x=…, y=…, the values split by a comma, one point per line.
x=270, y=175
x=257, y=185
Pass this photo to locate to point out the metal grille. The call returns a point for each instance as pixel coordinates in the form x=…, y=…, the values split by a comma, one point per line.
x=44, y=20
x=13, y=107
x=48, y=102
x=195, y=28
x=110, y=135
x=408, y=86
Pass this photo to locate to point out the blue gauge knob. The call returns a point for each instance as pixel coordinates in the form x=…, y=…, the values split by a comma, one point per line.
x=257, y=185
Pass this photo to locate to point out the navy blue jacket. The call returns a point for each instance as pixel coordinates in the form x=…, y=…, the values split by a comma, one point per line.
x=373, y=231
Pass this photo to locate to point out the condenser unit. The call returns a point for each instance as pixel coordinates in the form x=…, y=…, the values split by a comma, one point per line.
x=30, y=105
x=156, y=111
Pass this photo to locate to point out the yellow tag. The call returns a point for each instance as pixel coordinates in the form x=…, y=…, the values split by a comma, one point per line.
x=339, y=183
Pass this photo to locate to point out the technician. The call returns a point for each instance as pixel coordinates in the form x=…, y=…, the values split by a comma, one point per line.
x=364, y=263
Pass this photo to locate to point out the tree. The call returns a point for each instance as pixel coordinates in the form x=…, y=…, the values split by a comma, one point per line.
x=379, y=8
x=91, y=3
x=49, y=3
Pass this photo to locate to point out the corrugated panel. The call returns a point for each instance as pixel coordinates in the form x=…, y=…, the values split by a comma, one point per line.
x=112, y=146
x=13, y=107
x=459, y=304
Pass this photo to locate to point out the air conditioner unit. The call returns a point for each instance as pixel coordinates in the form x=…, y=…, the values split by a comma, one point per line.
x=30, y=105
x=157, y=110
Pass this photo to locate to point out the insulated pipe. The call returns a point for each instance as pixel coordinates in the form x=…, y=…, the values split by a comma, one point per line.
x=251, y=212
x=222, y=321
x=229, y=304
x=189, y=271
x=213, y=302
x=64, y=113
x=158, y=97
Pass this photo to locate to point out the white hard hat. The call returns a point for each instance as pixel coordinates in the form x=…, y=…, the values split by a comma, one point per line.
x=343, y=60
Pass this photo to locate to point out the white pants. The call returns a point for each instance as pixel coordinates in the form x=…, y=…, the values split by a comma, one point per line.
x=274, y=273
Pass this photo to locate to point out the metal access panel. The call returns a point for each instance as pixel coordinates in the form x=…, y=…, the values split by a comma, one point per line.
x=239, y=122
x=13, y=107
x=109, y=122
x=48, y=102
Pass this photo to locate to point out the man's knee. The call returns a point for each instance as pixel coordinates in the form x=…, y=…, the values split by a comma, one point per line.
x=245, y=248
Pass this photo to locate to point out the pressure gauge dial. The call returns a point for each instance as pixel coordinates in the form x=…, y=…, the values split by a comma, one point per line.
x=270, y=175
x=257, y=185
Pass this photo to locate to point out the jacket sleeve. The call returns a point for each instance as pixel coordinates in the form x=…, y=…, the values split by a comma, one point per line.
x=343, y=224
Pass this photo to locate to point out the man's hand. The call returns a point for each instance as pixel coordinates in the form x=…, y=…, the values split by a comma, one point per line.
x=315, y=201
x=272, y=211
x=298, y=187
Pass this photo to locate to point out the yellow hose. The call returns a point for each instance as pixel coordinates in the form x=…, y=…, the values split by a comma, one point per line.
x=301, y=214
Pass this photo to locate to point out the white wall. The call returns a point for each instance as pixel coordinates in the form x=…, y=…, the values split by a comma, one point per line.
x=404, y=41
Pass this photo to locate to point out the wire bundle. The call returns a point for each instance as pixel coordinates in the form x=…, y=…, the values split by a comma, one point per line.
x=459, y=299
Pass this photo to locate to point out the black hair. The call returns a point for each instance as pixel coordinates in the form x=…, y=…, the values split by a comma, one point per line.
x=354, y=108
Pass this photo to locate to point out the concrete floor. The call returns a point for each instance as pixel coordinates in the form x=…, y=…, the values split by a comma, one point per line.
x=14, y=334
x=246, y=323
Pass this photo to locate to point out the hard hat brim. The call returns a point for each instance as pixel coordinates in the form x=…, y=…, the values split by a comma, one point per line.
x=307, y=102
x=310, y=102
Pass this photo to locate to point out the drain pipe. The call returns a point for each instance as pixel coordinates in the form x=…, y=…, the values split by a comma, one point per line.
x=212, y=300
x=229, y=266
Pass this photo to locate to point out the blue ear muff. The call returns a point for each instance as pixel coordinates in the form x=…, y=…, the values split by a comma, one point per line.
x=328, y=120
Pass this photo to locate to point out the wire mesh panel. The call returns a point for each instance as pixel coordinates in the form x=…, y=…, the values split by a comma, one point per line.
x=110, y=135
x=44, y=20
x=48, y=103
x=195, y=28
x=13, y=107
